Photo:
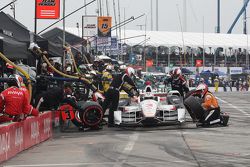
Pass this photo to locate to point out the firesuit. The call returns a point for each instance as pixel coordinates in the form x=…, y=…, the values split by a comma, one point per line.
x=106, y=80
x=13, y=104
x=211, y=108
x=29, y=109
x=120, y=82
x=179, y=84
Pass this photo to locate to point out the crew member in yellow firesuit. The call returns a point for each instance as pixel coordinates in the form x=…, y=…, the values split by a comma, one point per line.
x=107, y=78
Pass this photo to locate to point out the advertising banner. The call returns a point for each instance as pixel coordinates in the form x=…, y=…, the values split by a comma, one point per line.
x=103, y=42
x=104, y=26
x=236, y=70
x=149, y=63
x=198, y=63
x=47, y=9
x=16, y=137
x=89, y=24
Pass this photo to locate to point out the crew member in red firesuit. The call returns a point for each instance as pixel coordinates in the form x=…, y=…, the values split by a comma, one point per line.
x=13, y=103
x=29, y=109
x=178, y=82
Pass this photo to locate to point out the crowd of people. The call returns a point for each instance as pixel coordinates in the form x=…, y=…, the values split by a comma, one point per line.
x=106, y=83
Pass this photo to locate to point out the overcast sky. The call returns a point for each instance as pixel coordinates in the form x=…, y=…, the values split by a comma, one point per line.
x=168, y=15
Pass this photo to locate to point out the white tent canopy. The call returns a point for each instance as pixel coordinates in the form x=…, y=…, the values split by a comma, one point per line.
x=191, y=39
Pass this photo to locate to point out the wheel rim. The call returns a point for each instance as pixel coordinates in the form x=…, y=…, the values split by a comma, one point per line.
x=92, y=116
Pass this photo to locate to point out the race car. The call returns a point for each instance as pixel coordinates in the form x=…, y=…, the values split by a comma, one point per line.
x=150, y=110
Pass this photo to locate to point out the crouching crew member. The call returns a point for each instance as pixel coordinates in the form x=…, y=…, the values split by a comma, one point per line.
x=13, y=102
x=210, y=106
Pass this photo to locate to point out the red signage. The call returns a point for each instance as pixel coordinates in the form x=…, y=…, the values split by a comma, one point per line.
x=47, y=9
x=199, y=63
x=18, y=136
x=149, y=63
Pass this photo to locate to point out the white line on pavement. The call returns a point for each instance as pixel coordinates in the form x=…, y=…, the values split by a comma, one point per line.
x=128, y=148
x=94, y=163
x=235, y=107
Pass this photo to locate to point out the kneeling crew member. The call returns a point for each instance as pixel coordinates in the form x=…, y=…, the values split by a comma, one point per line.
x=210, y=106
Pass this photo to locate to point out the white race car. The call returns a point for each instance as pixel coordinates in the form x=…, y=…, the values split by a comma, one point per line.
x=150, y=110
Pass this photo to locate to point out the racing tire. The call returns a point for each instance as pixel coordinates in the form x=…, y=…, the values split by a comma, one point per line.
x=190, y=93
x=77, y=120
x=224, y=119
x=91, y=113
x=194, y=108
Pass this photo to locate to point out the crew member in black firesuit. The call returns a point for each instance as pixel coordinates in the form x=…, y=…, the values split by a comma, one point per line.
x=120, y=82
x=178, y=82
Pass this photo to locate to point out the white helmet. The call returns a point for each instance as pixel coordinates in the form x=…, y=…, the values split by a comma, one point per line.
x=17, y=80
x=177, y=73
x=123, y=67
x=130, y=71
x=203, y=88
x=109, y=67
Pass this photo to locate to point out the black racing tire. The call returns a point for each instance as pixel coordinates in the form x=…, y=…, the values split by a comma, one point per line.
x=189, y=93
x=77, y=120
x=224, y=119
x=91, y=113
x=194, y=108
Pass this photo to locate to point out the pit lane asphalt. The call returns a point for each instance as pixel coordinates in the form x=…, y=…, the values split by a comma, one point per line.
x=174, y=146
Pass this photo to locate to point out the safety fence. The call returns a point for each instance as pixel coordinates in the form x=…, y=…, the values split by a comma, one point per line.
x=16, y=137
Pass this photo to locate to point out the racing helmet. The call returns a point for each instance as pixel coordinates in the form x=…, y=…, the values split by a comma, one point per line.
x=176, y=73
x=123, y=67
x=109, y=67
x=202, y=88
x=202, y=80
x=130, y=71
x=15, y=80
x=148, y=91
x=83, y=69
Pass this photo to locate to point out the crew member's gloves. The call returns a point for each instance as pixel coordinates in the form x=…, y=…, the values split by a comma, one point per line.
x=134, y=99
x=97, y=95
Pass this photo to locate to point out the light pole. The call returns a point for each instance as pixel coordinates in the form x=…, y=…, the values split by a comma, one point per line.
x=246, y=32
x=203, y=37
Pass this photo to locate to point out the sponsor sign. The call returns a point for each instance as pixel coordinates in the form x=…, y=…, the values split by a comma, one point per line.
x=102, y=42
x=104, y=26
x=149, y=63
x=47, y=9
x=89, y=26
x=16, y=137
x=236, y=70
x=198, y=63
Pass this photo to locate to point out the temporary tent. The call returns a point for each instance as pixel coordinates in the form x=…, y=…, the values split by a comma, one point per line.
x=188, y=39
x=13, y=49
x=20, y=33
x=56, y=35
